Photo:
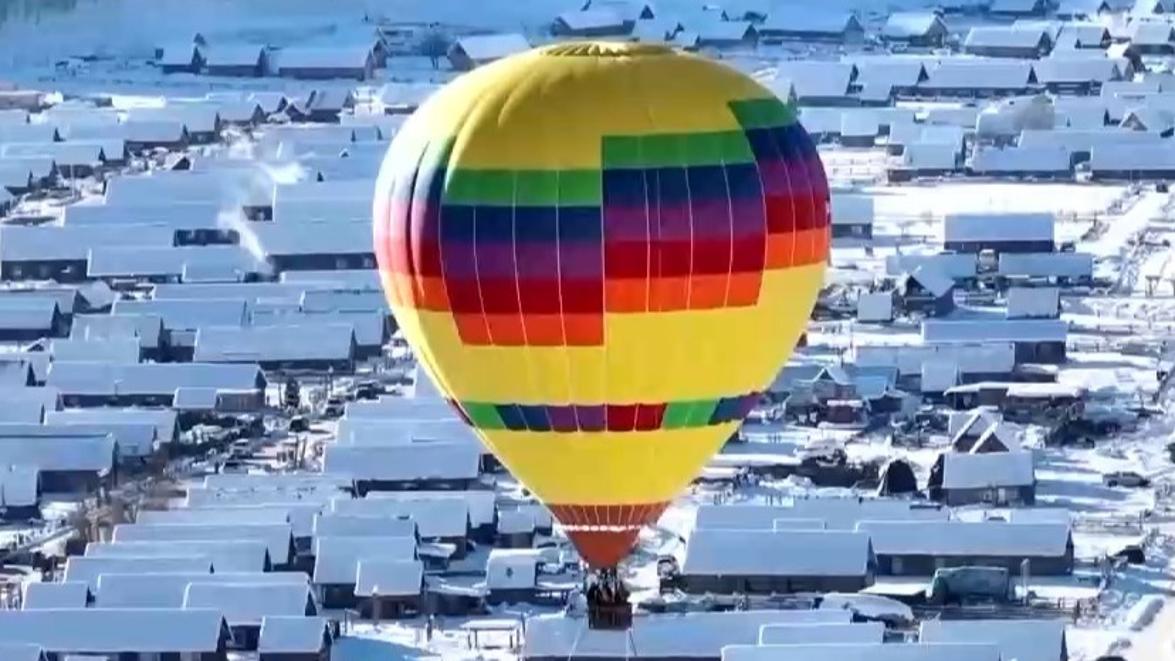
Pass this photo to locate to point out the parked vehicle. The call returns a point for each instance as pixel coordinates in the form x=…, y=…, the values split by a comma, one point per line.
x=1125, y=479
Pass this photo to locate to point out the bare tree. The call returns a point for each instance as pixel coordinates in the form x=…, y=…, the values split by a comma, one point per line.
x=434, y=44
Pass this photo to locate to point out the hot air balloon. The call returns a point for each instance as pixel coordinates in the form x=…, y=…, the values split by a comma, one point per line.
x=602, y=253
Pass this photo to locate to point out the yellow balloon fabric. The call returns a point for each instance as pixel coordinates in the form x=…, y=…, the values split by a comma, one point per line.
x=602, y=253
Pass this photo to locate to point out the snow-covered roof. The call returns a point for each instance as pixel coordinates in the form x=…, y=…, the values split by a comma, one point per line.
x=342, y=56
x=72, y=452
x=955, y=266
x=1086, y=139
x=391, y=431
x=315, y=238
x=689, y=635
x=246, y=515
x=1022, y=640
x=27, y=133
x=484, y=48
x=1003, y=36
x=343, y=525
x=184, y=215
x=27, y=313
x=171, y=261
x=287, y=342
x=906, y=25
x=964, y=538
x=336, y=559
x=977, y=357
x=875, y=306
x=1123, y=158
x=147, y=328
x=407, y=408
x=932, y=280
x=166, y=590
x=233, y=55
x=64, y=154
x=988, y=470
x=247, y=604
x=827, y=633
x=233, y=555
x=980, y=74
x=1033, y=302
x=50, y=242
x=133, y=439
x=811, y=79
x=21, y=652
x=404, y=463
x=389, y=578
x=42, y=595
x=38, y=167
x=771, y=553
x=1076, y=70
x=960, y=227
x=724, y=31
x=1033, y=160
x=435, y=517
x=152, y=132
x=118, y=350
x=278, y=537
x=188, y=314
x=837, y=513
x=88, y=568
x=1051, y=264
x=513, y=522
x=889, y=70
x=591, y=19
x=482, y=503
x=113, y=631
x=20, y=486
x=654, y=30
x=862, y=652
x=292, y=635
x=1152, y=33
x=940, y=331
x=930, y=156
x=800, y=20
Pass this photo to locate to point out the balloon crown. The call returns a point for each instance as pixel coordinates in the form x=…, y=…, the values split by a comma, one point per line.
x=605, y=49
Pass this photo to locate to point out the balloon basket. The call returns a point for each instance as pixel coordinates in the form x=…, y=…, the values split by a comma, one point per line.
x=608, y=606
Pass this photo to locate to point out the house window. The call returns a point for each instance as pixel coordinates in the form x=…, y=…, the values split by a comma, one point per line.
x=17, y=271
x=368, y=263
x=341, y=263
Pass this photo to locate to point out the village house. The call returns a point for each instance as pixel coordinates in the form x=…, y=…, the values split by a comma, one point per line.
x=766, y=562
x=979, y=78
x=390, y=588
x=67, y=462
x=817, y=83
x=926, y=291
x=1035, y=340
x=919, y=548
x=1001, y=232
x=357, y=61
x=123, y=633
x=168, y=590
x=242, y=61
x=181, y=58
x=918, y=29
x=1024, y=640
x=1017, y=8
x=337, y=560
x=443, y=522
x=1022, y=162
x=590, y=23
x=1152, y=37
x=852, y=216
x=278, y=537
x=698, y=636
x=1007, y=41
x=418, y=465
x=244, y=606
x=1125, y=163
x=810, y=25
x=473, y=51
x=89, y=568
x=1076, y=74
x=291, y=638
x=45, y=595
x=1060, y=268
x=992, y=477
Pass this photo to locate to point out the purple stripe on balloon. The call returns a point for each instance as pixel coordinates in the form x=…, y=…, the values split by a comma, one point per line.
x=581, y=260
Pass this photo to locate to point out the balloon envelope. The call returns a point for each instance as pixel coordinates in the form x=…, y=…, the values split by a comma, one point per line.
x=602, y=253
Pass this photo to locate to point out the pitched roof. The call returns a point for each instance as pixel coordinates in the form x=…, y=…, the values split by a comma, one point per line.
x=115, y=630
x=662, y=635
x=933, y=280
x=343, y=56
x=330, y=524
x=234, y=555
x=38, y=596
x=1053, y=264
x=966, y=73
x=389, y=578
x=234, y=55
x=817, y=79
x=988, y=470
x=938, y=331
x=959, y=227
x=436, y=516
x=771, y=553
x=336, y=559
x=1042, y=160
x=862, y=652
x=1022, y=640
x=247, y=604
x=291, y=635
x=905, y=25
x=277, y=536
x=801, y=634
x=1033, y=302
x=962, y=538
x=489, y=47
x=1000, y=36
x=404, y=463
x=287, y=342
x=90, y=568
x=167, y=590
x=64, y=452
x=1076, y=70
